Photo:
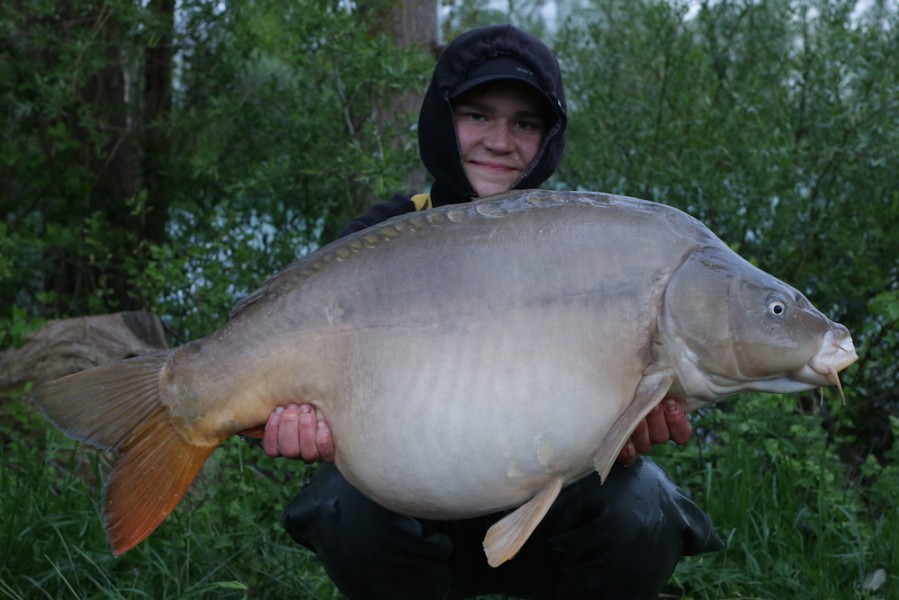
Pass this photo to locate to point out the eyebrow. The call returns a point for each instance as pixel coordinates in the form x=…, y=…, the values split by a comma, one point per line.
x=488, y=108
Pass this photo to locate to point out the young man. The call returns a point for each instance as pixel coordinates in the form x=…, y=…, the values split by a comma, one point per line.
x=494, y=119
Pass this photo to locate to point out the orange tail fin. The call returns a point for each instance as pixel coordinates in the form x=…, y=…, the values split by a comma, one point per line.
x=117, y=407
x=154, y=470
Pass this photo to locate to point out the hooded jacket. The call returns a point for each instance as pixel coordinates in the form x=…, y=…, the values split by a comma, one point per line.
x=437, y=143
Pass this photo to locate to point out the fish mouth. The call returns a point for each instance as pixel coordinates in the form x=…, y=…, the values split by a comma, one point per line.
x=837, y=352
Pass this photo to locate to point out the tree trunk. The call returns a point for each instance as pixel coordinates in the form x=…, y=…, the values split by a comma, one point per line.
x=414, y=23
x=63, y=347
x=158, y=69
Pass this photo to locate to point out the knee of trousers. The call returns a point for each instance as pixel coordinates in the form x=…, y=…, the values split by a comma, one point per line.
x=626, y=535
x=367, y=550
x=643, y=504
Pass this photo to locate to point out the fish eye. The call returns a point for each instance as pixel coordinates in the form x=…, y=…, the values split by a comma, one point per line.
x=777, y=307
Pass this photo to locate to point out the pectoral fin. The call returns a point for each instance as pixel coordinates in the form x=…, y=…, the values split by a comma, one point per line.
x=650, y=391
x=506, y=537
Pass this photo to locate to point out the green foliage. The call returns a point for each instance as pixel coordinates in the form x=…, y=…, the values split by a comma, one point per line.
x=282, y=123
x=279, y=126
x=61, y=157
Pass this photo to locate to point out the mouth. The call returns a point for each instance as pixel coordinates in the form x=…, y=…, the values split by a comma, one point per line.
x=836, y=353
x=490, y=166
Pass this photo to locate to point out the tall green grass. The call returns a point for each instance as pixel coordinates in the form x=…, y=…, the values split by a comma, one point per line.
x=797, y=527
x=796, y=524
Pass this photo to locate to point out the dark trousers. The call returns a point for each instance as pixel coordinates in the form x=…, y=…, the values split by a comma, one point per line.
x=619, y=540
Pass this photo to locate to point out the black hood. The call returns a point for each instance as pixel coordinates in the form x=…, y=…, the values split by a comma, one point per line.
x=437, y=142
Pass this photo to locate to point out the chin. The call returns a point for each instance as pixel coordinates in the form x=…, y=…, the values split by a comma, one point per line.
x=489, y=190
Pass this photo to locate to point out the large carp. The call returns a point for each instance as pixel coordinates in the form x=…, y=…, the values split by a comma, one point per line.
x=468, y=359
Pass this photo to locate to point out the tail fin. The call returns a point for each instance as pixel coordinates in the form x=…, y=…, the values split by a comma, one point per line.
x=117, y=407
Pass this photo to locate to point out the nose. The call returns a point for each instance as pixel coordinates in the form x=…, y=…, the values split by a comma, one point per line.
x=498, y=138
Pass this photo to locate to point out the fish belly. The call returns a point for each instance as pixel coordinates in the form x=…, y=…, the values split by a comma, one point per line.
x=461, y=420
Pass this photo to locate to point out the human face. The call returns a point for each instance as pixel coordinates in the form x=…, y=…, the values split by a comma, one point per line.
x=499, y=126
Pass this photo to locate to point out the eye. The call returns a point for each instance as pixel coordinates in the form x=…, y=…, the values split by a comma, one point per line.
x=777, y=307
x=472, y=115
x=531, y=126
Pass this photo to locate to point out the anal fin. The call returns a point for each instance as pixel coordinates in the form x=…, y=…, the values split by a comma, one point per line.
x=506, y=537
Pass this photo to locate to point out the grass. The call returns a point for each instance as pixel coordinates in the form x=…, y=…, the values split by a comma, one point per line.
x=796, y=526
x=223, y=541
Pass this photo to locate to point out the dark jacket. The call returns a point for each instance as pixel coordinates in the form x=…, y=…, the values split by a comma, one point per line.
x=437, y=143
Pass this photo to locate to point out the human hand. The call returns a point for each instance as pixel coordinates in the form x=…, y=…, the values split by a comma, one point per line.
x=294, y=431
x=665, y=422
